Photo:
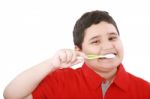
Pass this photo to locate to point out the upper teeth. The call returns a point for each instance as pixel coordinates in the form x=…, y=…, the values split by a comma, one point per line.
x=108, y=56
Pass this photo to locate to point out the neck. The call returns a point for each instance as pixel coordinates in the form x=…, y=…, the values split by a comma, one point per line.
x=107, y=75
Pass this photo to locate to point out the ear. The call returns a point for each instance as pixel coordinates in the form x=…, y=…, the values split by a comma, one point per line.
x=77, y=48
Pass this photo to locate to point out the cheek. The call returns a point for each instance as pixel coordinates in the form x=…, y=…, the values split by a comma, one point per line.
x=119, y=48
x=85, y=49
x=89, y=49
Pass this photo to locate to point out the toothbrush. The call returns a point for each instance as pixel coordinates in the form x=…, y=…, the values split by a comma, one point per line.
x=93, y=56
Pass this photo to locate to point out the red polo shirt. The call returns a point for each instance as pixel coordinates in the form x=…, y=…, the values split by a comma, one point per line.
x=83, y=83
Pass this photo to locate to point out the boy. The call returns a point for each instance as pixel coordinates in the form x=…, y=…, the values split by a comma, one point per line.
x=100, y=78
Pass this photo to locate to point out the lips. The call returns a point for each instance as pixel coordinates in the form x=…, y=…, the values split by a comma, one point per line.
x=108, y=56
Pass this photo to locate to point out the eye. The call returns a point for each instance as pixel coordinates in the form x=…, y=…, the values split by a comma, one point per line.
x=95, y=42
x=113, y=38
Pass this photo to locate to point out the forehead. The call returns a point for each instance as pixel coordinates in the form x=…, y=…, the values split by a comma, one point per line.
x=100, y=29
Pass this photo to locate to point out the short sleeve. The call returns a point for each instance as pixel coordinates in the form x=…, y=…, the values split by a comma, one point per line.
x=38, y=93
x=53, y=85
x=46, y=88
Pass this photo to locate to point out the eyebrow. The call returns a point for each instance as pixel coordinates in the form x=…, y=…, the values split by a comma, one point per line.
x=113, y=33
x=99, y=36
x=94, y=37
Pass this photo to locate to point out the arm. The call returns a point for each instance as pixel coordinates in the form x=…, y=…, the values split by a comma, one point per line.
x=23, y=85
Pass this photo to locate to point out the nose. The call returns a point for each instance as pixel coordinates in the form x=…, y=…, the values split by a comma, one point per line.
x=107, y=45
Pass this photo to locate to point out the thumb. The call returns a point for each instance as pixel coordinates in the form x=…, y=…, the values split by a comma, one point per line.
x=78, y=60
x=80, y=54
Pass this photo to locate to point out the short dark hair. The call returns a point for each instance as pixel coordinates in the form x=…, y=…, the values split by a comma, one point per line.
x=88, y=19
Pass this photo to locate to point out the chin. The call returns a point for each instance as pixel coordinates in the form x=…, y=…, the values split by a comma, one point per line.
x=106, y=66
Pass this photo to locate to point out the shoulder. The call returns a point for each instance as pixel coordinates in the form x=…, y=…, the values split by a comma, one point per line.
x=58, y=81
x=139, y=82
x=61, y=78
x=65, y=74
x=137, y=79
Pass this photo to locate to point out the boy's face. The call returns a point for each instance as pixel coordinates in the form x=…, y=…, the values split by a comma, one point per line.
x=102, y=39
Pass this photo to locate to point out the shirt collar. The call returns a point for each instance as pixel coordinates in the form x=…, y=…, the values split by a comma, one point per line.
x=94, y=80
x=121, y=78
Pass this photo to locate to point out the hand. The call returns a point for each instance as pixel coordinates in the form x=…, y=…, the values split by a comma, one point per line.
x=66, y=57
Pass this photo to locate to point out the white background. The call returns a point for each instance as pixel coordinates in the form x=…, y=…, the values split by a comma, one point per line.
x=33, y=30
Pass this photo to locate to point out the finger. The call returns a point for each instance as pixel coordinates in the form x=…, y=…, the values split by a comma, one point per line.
x=62, y=56
x=80, y=54
x=77, y=57
x=69, y=54
x=74, y=57
x=77, y=61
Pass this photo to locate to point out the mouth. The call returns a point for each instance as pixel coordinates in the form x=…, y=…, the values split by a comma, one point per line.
x=108, y=56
